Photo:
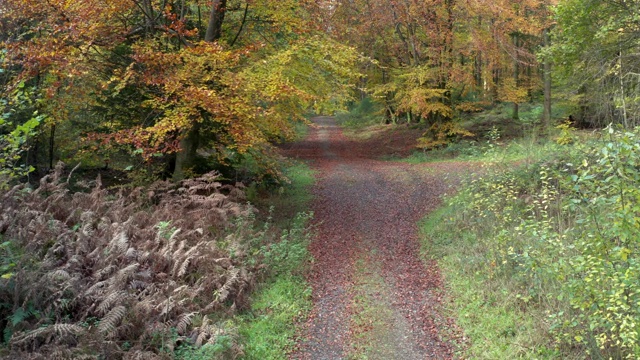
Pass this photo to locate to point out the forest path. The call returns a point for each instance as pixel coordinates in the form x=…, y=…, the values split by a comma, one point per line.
x=374, y=296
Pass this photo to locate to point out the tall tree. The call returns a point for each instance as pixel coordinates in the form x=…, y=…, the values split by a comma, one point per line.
x=137, y=79
x=436, y=57
x=595, y=46
x=216, y=18
x=546, y=117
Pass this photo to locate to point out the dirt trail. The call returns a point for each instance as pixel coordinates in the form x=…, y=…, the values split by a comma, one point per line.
x=373, y=295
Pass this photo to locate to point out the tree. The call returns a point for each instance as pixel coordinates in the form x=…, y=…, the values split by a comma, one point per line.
x=216, y=18
x=595, y=46
x=142, y=80
x=546, y=117
x=460, y=55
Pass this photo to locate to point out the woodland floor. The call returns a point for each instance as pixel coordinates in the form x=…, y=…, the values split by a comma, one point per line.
x=374, y=295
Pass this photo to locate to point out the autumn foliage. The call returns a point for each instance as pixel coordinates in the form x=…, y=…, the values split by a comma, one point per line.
x=140, y=79
x=433, y=57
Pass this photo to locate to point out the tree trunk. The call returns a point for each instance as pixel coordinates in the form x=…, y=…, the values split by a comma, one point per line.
x=244, y=20
x=190, y=142
x=149, y=16
x=214, y=29
x=478, y=71
x=52, y=145
x=188, y=150
x=625, y=119
x=448, y=63
x=516, y=75
x=546, y=116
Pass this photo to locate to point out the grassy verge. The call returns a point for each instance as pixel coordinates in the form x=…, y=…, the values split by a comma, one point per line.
x=269, y=328
x=542, y=258
x=493, y=149
x=494, y=323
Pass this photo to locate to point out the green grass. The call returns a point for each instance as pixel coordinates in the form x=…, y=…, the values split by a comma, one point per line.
x=496, y=323
x=508, y=244
x=498, y=138
x=527, y=149
x=269, y=329
x=482, y=305
x=287, y=199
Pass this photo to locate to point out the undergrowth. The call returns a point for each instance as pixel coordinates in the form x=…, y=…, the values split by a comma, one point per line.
x=161, y=272
x=269, y=327
x=362, y=113
x=492, y=147
x=543, y=259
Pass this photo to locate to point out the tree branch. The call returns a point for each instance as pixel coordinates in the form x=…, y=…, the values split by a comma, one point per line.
x=244, y=20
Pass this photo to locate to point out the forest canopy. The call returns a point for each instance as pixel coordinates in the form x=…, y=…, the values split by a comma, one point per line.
x=159, y=81
x=176, y=88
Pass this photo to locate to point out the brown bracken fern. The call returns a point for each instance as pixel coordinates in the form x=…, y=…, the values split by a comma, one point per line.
x=113, y=275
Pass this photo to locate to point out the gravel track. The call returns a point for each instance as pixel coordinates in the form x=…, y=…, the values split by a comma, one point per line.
x=366, y=212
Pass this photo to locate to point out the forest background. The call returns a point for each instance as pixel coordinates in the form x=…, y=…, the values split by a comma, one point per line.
x=169, y=89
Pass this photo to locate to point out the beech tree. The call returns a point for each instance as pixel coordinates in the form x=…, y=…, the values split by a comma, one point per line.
x=596, y=48
x=433, y=59
x=142, y=80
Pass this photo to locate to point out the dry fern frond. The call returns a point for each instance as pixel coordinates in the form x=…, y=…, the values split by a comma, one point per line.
x=100, y=253
x=129, y=270
x=166, y=306
x=202, y=337
x=182, y=262
x=105, y=272
x=46, y=333
x=58, y=275
x=112, y=299
x=61, y=354
x=96, y=288
x=142, y=355
x=110, y=321
x=120, y=242
x=227, y=288
x=131, y=254
x=184, y=321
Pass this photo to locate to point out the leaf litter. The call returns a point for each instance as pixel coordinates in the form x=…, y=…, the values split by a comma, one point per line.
x=374, y=296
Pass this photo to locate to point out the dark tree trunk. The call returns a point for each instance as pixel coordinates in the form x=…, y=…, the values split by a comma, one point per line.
x=52, y=145
x=244, y=20
x=516, y=75
x=214, y=29
x=546, y=117
x=191, y=140
x=187, y=155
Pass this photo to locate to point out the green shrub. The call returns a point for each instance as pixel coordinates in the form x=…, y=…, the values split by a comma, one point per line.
x=560, y=239
x=603, y=274
x=362, y=113
x=288, y=255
